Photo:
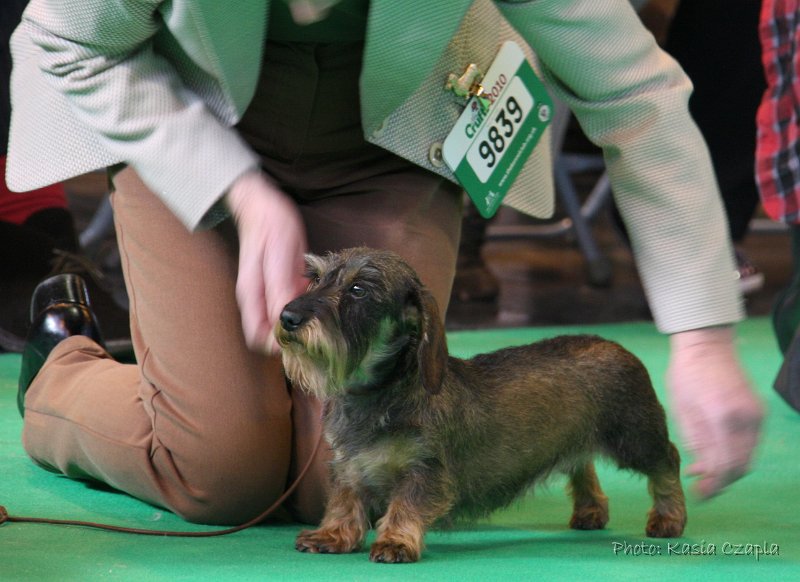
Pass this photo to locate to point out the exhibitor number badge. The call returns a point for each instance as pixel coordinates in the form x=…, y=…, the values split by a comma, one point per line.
x=489, y=146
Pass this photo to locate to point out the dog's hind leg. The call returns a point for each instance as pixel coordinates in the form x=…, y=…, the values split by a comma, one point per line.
x=667, y=518
x=590, y=505
x=650, y=452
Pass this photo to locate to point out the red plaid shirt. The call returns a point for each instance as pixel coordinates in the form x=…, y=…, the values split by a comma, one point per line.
x=778, y=118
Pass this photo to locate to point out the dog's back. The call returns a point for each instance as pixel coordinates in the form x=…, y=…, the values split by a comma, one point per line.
x=541, y=407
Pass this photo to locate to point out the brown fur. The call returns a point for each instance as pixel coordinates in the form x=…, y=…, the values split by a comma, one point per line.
x=419, y=437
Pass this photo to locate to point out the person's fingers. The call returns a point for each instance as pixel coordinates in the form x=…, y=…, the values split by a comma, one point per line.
x=283, y=282
x=739, y=430
x=272, y=244
x=250, y=296
x=721, y=437
x=700, y=442
x=718, y=414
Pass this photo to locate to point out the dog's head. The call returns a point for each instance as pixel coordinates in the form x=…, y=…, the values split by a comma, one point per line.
x=365, y=322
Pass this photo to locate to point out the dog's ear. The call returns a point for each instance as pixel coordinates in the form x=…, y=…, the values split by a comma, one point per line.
x=432, y=350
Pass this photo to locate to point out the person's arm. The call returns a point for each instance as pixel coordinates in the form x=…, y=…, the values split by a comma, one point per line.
x=632, y=100
x=100, y=56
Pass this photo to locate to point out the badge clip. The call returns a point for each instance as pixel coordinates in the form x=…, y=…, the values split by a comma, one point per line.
x=468, y=85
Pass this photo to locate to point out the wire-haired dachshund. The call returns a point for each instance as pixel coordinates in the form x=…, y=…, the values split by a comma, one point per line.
x=419, y=437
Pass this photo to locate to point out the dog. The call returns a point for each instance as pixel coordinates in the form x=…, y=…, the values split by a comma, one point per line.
x=420, y=438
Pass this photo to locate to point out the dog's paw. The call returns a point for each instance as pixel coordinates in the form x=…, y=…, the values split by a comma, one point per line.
x=322, y=541
x=393, y=553
x=589, y=518
x=665, y=526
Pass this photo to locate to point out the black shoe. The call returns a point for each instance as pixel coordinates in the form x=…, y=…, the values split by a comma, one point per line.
x=109, y=303
x=59, y=309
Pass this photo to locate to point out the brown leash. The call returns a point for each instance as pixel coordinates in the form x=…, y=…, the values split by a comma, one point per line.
x=5, y=517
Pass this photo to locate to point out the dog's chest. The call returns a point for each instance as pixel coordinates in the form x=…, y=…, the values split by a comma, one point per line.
x=381, y=464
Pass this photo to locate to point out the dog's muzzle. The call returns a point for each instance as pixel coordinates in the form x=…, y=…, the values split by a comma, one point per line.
x=292, y=320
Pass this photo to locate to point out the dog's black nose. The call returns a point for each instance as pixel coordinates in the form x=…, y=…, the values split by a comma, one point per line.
x=291, y=320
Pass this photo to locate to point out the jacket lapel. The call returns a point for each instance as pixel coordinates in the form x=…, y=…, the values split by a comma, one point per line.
x=226, y=39
x=401, y=49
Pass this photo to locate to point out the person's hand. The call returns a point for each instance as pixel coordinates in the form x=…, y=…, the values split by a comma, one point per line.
x=717, y=411
x=272, y=243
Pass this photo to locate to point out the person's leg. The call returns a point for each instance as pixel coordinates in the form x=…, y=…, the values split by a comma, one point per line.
x=787, y=382
x=202, y=425
x=786, y=325
x=720, y=51
x=786, y=309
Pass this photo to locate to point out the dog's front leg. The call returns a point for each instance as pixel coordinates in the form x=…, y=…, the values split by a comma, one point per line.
x=342, y=529
x=418, y=502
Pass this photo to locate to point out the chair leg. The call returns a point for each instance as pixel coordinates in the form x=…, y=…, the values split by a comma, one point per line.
x=599, y=266
x=102, y=224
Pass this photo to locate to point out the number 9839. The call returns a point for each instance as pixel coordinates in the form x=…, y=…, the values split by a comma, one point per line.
x=494, y=139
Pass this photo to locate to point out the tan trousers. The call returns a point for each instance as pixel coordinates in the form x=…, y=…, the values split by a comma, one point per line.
x=201, y=425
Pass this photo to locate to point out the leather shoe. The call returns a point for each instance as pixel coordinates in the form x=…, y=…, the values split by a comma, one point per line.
x=60, y=308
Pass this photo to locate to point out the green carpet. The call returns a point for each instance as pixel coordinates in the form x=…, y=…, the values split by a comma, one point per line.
x=527, y=541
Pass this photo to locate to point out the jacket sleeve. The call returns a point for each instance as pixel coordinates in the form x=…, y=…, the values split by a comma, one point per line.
x=100, y=55
x=631, y=99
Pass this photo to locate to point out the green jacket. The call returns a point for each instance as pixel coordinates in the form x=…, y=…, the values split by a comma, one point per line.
x=158, y=84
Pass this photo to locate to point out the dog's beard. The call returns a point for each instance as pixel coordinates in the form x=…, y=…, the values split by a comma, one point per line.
x=314, y=360
x=325, y=364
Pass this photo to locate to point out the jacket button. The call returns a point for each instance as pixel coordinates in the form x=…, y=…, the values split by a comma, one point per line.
x=435, y=155
x=379, y=131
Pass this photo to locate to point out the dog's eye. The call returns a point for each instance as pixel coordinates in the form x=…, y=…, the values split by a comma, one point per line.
x=358, y=291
